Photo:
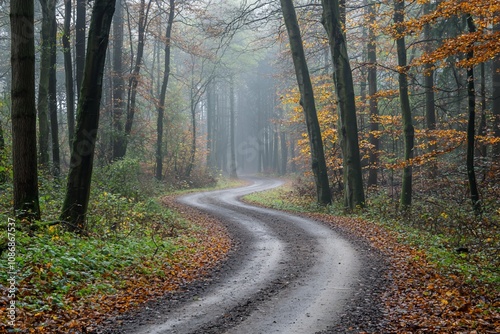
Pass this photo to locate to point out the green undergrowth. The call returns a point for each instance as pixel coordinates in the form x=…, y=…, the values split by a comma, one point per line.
x=53, y=265
x=453, y=240
x=222, y=183
x=129, y=232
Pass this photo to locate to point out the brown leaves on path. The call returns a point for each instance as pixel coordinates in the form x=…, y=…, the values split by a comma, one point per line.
x=421, y=299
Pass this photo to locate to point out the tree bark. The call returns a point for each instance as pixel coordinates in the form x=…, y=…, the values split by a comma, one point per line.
x=193, y=105
x=483, y=148
x=496, y=98
x=232, y=111
x=354, y=195
x=430, y=103
x=134, y=78
x=68, y=71
x=3, y=158
x=373, y=99
x=408, y=130
x=284, y=151
x=52, y=96
x=211, y=148
x=161, y=105
x=471, y=94
x=80, y=29
x=23, y=112
x=82, y=155
x=48, y=11
x=118, y=84
x=323, y=193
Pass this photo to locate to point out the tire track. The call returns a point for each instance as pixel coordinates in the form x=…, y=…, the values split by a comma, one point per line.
x=294, y=274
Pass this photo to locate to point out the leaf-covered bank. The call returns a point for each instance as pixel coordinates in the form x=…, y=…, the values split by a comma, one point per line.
x=137, y=248
x=433, y=290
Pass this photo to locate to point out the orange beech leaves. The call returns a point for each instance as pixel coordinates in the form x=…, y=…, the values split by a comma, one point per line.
x=484, y=42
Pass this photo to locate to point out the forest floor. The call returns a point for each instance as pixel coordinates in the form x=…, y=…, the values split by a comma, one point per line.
x=398, y=289
x=286, y=274
x=421, y=295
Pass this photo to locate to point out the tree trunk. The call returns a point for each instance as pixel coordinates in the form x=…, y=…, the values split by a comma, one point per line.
x=471, y=93
x=373, y=100
x=3, y=158
x=495, y=77
x=293, y=165
x=80, y=27
x=284, y=151
x=23, y=112
x=408, y=130
x=430, y=104
x=82, y=154
x=211, y=161
x=482, y=151
x=354, y=195
x=52, y=96
x=163, y=93
x=276, y=165
x=192, y=151
x=68, y=71
x=48, y=10
x=118, y=84
x=232, y=111
x=134, y=78
x=323, y=193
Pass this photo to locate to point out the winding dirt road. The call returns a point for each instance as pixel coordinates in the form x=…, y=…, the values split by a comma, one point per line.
x=289, y=274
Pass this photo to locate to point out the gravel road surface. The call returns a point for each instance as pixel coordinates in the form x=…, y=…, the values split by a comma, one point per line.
x=288, y=274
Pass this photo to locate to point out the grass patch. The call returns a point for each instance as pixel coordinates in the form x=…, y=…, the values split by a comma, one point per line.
x=135, y=248
x=54, y=265
x=284, y=198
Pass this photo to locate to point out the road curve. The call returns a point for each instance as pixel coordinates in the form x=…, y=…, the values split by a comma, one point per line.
x=315, y=267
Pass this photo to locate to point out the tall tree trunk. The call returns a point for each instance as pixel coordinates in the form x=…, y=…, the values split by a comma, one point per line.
x=373, y=99
x=52, y=96
x=323, y=193
x=134, y=78
x=232, y=111
x=408, y=130
x=76, y=201
x=495, y=77
x=3, y=158
x=23, y=112
x=68, y=71
x=118, y=84
x=284, y=151
x=293, y=165
x=471, y=93
x=80, y=27
x=48, y=11
x=430, y=103
x=211, y=163
x=163, y=93
x=193, y=106
x=354, y=195
x=482, y=151
x=276, y=166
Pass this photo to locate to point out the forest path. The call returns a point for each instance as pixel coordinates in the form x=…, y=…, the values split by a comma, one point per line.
x=288, y=275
